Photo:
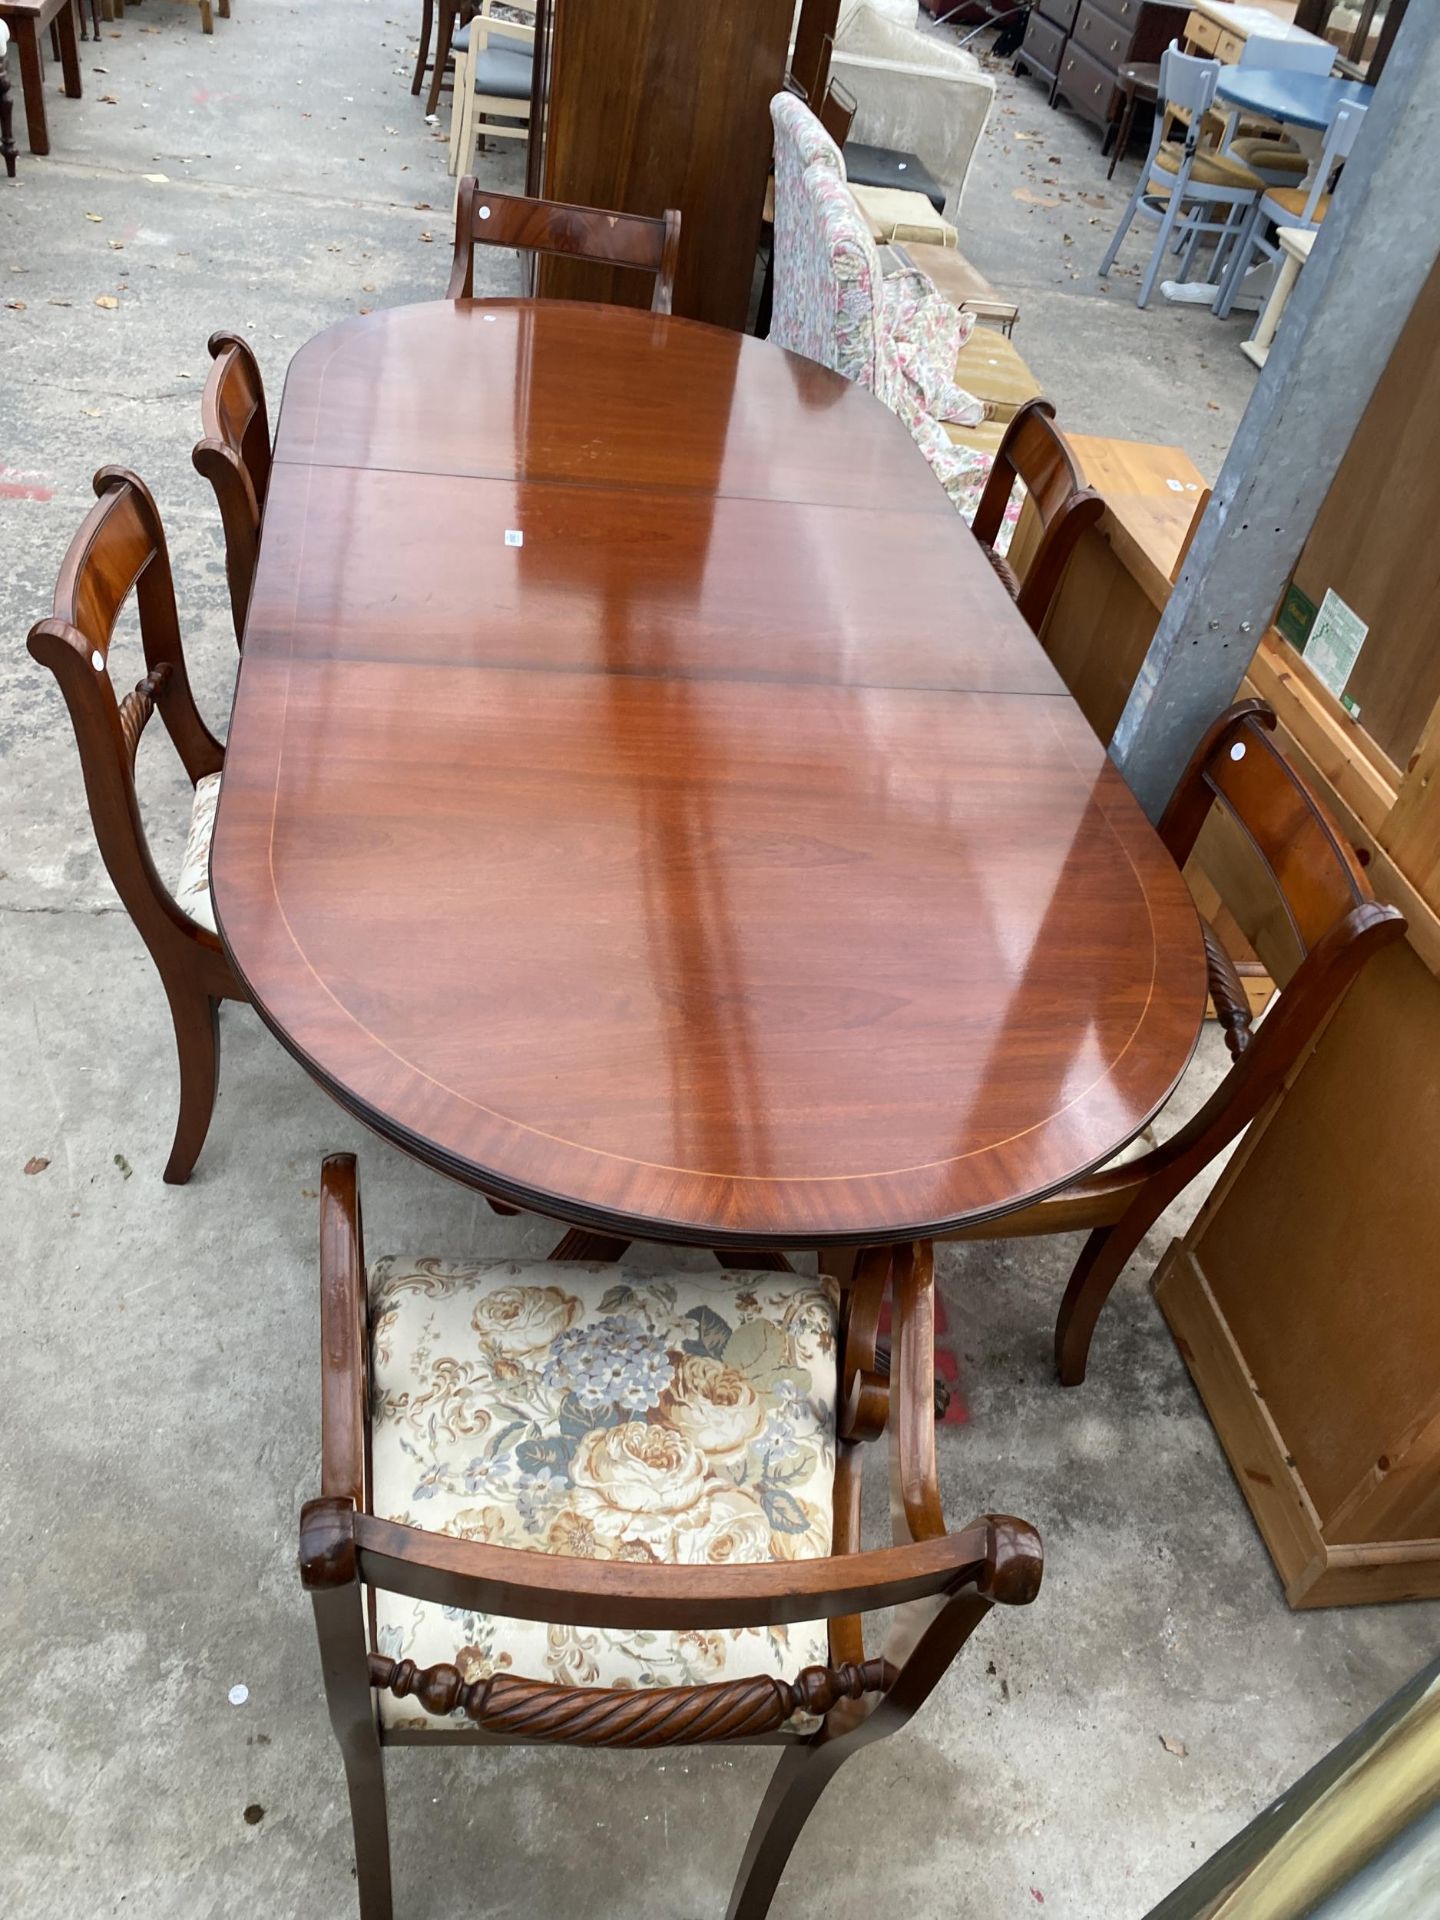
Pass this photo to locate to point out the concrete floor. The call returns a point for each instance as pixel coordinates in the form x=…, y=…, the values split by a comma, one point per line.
x=160, y=1414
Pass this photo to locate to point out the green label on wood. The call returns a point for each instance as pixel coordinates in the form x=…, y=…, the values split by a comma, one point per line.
x=1296, y=617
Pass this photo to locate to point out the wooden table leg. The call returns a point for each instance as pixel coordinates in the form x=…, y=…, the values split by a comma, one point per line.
x=32, y=84
x=207, y=17
x=7, y=115
x=69, y=51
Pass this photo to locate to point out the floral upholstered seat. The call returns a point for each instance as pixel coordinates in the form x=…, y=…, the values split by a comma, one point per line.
x=609, y=1414
x=897, y=336
x=192, y=890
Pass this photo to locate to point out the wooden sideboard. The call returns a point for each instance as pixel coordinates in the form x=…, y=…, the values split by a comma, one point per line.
x=649, y=104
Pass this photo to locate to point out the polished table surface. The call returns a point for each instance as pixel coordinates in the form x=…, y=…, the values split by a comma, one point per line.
x=643, y=802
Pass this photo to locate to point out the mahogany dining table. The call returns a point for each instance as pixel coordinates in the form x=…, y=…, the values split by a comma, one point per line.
x=643, y=802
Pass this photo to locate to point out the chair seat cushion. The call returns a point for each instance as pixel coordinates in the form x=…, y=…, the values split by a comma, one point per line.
x=1271, y=156
x=192, y=891
x=1291, y=204
x=892, y=214
x=609, y=1414
x=504, y=73
x=1209, y=170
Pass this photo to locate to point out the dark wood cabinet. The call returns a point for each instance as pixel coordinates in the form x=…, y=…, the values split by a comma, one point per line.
x=649, y=104
x=1106, y=35
x=1046, y=32
x=1079, y=46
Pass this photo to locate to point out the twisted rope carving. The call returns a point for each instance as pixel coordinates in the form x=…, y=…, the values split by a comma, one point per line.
x=630, y=1716
x=137, y=707
x=1232, y=1007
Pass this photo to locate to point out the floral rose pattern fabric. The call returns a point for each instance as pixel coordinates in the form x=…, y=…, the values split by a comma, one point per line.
x=192, y=893
x=897, y=336
x=610, y=1414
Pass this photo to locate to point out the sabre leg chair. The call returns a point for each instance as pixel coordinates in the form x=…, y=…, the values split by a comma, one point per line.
x=120, y=547
x=664, y=1551
x=635, y=240
x=1034, y=453
x=1182, y=185
x=1293, y=206
x=234, y=456
x=1305, y=906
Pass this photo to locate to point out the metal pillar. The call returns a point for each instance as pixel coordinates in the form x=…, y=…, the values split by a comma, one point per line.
x=1373, y=255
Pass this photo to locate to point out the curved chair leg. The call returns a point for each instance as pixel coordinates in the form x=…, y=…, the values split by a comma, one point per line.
x=1102, y=1261
x=197, y=1040
x=423, y=52
x=796, y=1784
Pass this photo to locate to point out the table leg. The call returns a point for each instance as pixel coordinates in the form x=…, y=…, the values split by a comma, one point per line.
x=69, y=51
x=7, y=116
x=32, y=84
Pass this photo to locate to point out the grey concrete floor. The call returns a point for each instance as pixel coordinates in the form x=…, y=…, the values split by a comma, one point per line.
x=159, y=1419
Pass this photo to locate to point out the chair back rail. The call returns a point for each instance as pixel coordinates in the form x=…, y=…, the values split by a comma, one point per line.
x=234, y=456
x=1035, y=452
x=556, y=227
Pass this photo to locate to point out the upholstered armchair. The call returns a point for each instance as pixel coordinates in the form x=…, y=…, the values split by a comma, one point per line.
x=833, y=303
x=914, y=91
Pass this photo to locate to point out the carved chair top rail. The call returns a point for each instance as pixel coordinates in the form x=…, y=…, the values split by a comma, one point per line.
x=1000, y=1557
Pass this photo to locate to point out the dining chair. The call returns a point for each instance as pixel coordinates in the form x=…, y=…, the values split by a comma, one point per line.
x=234, y=456
x=121, y=546
x=1034, y=453
x=1303, y=207
x=1182, y=182
x=551, y=226
x=494, y=74
x=588, y=1505
x=1300, y=897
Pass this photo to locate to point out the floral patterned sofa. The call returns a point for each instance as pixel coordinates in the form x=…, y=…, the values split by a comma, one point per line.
x=895, y=335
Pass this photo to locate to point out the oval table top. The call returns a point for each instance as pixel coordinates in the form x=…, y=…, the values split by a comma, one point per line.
x=643, y=802
x=1295, y=99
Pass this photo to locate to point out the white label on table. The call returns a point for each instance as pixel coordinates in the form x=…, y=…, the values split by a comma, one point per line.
x=514, y=537
x=1334, y=645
